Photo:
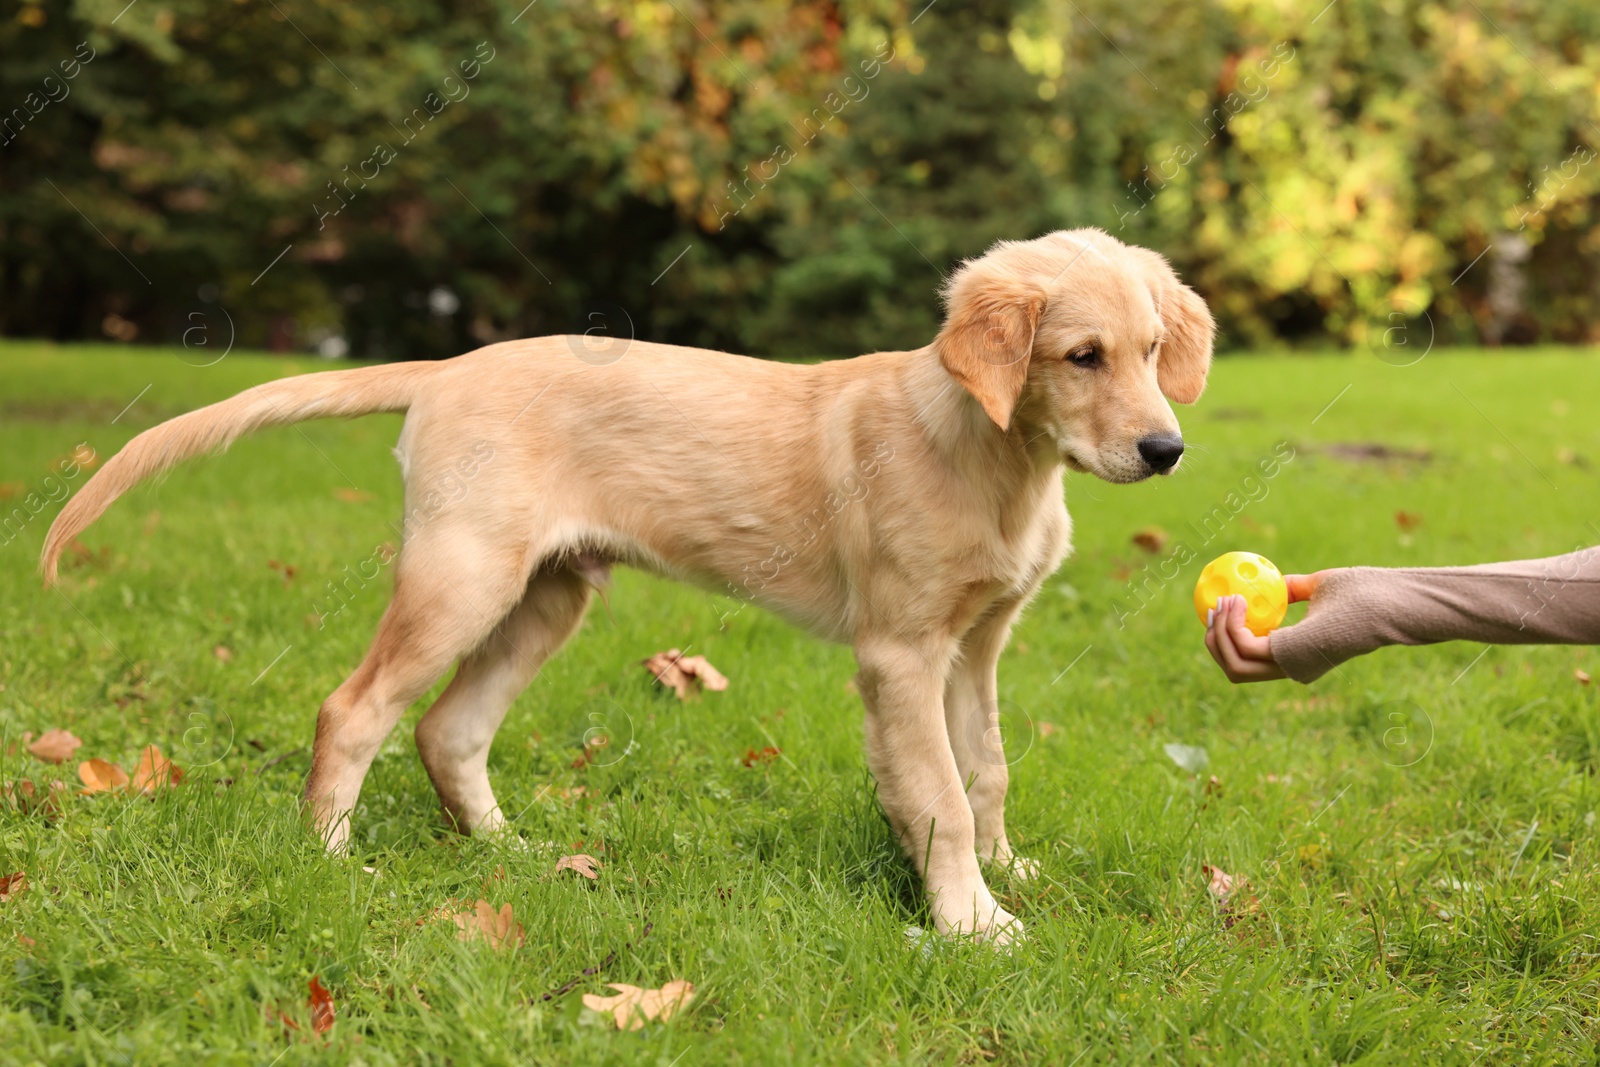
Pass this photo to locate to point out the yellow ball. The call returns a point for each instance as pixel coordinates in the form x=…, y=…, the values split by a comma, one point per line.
x=1251, y=576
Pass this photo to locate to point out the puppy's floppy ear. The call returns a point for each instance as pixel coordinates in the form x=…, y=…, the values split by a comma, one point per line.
x=987, y=338
x=1188, y=332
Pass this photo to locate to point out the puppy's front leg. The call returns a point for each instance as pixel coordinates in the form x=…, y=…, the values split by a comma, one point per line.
x=972, y=714
x=920, y=788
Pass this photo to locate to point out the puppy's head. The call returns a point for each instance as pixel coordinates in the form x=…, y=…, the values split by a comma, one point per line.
x=1084, y=339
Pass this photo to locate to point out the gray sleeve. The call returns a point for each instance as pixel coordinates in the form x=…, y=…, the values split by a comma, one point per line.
x=1554, y=601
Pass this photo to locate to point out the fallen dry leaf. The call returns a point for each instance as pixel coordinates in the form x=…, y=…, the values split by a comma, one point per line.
x=684, y=674
x=751, y=757
x=632, y=1007
x=1152, y=539
x=54, y=746
x=584, y=864
x=1047, y=728
x=11, y=489
x=1581, y=675
x=550, y=792
x=101, y=776
x=223, y=653
x=1234, y=901
x=447, y=910
x=321, y=1002
x=1407, y=520
x=24, y=797
x=12, y=885
x=353, y=496
x=155, y=771
x=497, y=928
x=1221, y=882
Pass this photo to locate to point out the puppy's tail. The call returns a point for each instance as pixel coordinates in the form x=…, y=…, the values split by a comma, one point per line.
x=309, y=396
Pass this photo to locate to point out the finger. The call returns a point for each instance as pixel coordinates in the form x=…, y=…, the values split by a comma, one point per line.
x=1233, y=664
x=1303, y=586
x=1240, y=670
x=1249, y=646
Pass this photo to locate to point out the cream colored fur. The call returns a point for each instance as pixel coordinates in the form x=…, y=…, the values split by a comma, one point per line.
x=907, y=503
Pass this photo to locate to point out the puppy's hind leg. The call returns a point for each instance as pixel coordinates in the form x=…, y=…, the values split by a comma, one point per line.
x=453, y=738
x=449, y=593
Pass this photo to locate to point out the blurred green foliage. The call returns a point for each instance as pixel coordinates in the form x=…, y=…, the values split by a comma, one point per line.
x=416, y=178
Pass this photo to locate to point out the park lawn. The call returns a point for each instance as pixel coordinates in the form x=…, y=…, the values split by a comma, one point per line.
x=1415, y=835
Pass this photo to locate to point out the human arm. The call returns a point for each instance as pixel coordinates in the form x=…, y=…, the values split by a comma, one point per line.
x=1356, y=610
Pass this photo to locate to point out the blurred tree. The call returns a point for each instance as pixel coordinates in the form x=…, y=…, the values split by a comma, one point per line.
x=418, y=178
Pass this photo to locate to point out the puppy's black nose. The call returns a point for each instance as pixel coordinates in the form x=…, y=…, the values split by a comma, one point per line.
x=1161, y=450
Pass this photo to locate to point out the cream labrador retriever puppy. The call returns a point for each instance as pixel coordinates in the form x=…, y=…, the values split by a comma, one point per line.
x=908, y=503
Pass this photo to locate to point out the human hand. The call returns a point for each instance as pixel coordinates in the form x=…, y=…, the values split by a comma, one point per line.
x=1242, y=655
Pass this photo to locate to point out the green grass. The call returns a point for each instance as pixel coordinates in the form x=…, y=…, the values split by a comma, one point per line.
x=1422, y=841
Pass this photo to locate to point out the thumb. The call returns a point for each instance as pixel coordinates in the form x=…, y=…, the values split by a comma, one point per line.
x=1304, y=586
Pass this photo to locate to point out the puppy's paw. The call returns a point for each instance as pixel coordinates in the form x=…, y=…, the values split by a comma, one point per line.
x=983, y=919
x=1018, y=867
x=1002, y=929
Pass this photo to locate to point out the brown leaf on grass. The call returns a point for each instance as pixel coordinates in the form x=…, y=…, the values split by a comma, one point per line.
x=1047, y=728
x=12, y=885
x=1407, y=520
x=1152, y=539
x=318, y=999
x=23, y=796
x=570, y=795
x=353, y=496
x=1581, y=676
x=632, y=1006
x=1220, y=883
x=684, y=675
x=101, y=776
x=223, y=653
x=11, y=489
x=321, y=1003
x=155, y=771
x=751, y=757
x=583, y=864
x=444, y=911
x=496, y=927
x=54, y=746
x=1234, y=900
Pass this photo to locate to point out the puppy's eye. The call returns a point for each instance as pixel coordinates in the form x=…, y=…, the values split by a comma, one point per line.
x=1087, y=355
